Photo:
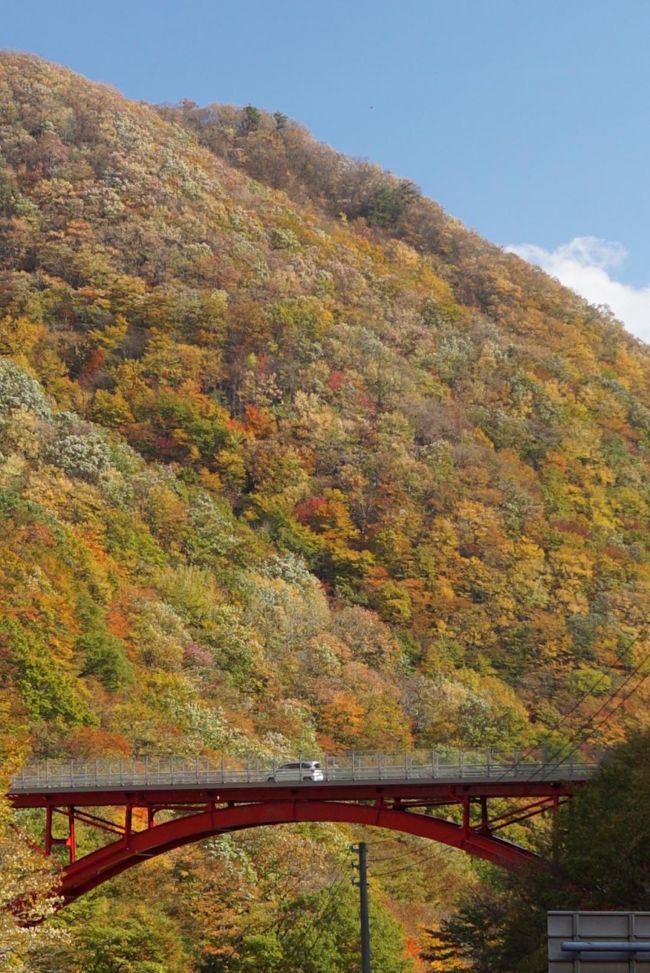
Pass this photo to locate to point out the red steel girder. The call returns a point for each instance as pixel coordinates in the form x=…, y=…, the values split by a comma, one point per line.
x=204, y=811
x=425, y=792
x=105, y=863
x=517, y=814
x=69, y=840
x=94, y=820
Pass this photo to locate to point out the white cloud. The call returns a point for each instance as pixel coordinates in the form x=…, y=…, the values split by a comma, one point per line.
x=585, y=264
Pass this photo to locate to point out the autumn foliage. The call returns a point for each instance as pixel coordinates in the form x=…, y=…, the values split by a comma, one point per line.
x=290, y=460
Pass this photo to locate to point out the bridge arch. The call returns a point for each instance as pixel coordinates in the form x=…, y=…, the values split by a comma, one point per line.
x=136, y=846
x=403, y=794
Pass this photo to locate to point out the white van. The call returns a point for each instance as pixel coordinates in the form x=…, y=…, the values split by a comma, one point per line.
x=300, y=770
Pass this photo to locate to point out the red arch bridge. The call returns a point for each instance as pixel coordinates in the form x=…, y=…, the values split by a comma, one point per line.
x=149, y=806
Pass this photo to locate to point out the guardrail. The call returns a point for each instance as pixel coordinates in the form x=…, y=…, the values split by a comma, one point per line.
x=430, y=765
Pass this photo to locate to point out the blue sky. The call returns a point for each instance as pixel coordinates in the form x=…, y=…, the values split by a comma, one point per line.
x=526, y=119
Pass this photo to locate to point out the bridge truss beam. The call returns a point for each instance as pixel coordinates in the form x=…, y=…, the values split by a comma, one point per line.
x=458, y=815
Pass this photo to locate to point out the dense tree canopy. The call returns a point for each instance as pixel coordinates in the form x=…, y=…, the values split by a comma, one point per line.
x=291, y=460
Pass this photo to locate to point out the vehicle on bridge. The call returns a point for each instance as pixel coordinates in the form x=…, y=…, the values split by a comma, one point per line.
x=305, y=770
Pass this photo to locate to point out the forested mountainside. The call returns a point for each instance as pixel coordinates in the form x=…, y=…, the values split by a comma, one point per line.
x=289, y=460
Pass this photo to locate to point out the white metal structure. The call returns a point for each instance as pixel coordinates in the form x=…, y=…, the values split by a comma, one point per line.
x=599, y=942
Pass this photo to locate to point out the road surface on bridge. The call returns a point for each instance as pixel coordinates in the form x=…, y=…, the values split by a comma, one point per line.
x=431, y=768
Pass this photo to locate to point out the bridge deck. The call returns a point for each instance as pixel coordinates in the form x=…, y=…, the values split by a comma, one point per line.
x=158, y=804
x=146, y=782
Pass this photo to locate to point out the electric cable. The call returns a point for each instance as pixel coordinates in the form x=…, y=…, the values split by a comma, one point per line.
x=334, y=887
x=423, y=860
x=580, y=700
x=618, y=705
x=589, y=722
x=402, y=855
x=377, y=842
x=324, y=913
x=577, y=739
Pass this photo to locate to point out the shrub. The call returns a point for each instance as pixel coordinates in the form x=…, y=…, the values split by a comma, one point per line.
x=79, y=449
x=48, y=693
x=212, y=531
x=105, y=658
x=18, y=390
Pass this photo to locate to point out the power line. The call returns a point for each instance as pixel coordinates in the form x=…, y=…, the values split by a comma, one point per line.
x=617, y=707
x=393, y=858
x=374, y=843
x=316, y=920
x=421, y=859
x=389, y=861
x=530, y=750
x=415, y=864
x=577, y=739
x=327, y=908
x=589, y=722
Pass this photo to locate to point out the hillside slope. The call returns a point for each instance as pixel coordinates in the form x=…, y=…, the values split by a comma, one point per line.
x=290, y=459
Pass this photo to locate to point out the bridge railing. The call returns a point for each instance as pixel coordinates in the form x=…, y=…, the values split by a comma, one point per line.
x=423, y=765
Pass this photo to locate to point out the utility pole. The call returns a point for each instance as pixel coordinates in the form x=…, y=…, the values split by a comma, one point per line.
x=362, y=883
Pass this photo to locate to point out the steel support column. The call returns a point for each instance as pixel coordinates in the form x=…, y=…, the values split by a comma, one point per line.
x=72, y=836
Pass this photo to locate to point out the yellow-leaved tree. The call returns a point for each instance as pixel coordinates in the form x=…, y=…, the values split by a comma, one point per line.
x=28, y=881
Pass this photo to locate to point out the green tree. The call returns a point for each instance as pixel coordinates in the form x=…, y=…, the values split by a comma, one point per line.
x=597, y=857
x=118, y=936
x=323, y=934
x=104, y=657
